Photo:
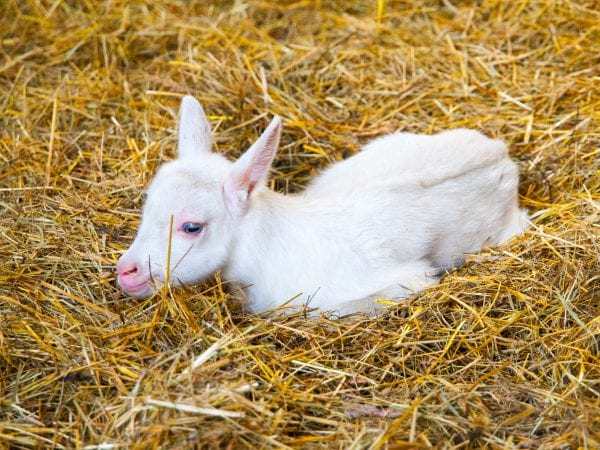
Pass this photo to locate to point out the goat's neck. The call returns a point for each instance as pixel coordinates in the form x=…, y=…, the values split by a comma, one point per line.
x=274, y=224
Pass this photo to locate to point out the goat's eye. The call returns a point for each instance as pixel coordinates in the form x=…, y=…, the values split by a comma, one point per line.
x=192, y=228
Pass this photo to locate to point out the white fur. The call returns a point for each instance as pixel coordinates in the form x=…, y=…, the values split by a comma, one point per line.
x=382, y=224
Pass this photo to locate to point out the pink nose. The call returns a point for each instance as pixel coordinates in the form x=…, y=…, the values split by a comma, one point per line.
x=127, y=268
x=131, y=277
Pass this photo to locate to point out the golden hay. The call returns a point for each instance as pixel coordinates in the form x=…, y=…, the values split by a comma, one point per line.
x=504, y=353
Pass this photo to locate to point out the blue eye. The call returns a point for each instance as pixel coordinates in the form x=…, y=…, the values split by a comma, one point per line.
x=192, y=228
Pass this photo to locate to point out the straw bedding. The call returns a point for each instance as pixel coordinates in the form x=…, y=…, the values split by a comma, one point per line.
x=503, y=353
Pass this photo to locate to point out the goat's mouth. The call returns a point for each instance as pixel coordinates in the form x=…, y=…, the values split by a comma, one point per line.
x=142, y=289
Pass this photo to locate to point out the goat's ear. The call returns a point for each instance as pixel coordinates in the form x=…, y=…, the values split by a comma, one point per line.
x=194, y=129
x=252, y=168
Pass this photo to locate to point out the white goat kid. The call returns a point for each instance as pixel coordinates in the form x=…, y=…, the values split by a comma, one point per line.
x=383, y=224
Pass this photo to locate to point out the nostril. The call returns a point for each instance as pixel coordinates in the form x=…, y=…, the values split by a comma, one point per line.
x=125, y=270
x=131, y=271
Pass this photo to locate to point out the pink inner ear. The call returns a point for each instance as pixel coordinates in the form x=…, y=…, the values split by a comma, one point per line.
x=257, y=171
x=243, y=180
x=252, y=167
